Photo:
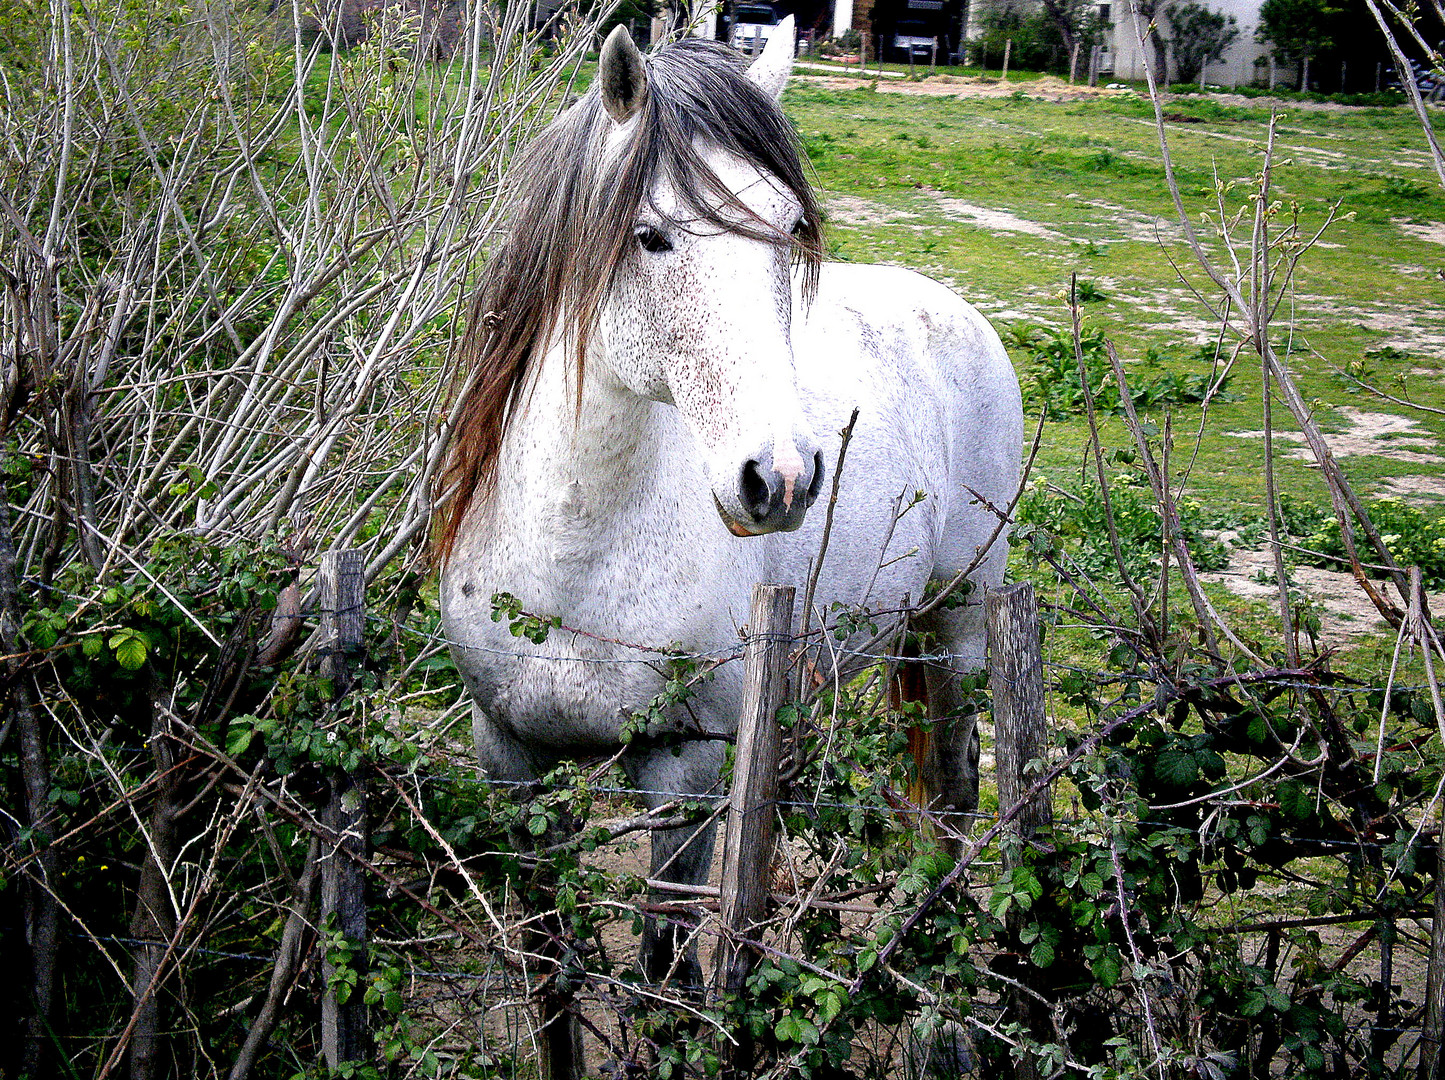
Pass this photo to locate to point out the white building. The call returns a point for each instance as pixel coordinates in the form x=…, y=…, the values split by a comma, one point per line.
x=1124, y=57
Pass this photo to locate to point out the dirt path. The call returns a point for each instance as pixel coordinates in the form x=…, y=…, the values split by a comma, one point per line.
x=1048, y=88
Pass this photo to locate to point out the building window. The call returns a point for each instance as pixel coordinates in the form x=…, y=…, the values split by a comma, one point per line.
x=1104, y=13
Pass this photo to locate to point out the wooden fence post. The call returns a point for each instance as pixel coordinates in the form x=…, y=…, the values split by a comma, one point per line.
x=1432, y=1036
x=1016, y=676
x=1432, y=1031
x=748, y=836
x=1016, y=679
x=345, y=1033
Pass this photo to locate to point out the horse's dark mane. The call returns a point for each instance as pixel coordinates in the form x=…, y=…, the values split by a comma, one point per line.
x=572, y=207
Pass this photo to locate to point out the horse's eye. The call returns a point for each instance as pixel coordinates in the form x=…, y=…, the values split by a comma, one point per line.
x=649, y=239
x=799, y=227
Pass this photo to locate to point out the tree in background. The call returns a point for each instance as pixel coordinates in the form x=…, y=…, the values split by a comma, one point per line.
x=1043, y=36
x=1297, y=31
x=1151, y=13
x=1201, y=37
x=1078, y=25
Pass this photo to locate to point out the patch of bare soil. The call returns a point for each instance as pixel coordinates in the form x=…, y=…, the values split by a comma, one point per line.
x=1431, y=231
x=1049, y=88
x=851, y=210
x=1420, y=490
x=1415, y=330
x=1136, y=226
x=1371, y=434
x=994, y=220
x=1346, y=612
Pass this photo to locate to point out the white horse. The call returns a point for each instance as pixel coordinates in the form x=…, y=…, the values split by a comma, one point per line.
x=660, y=367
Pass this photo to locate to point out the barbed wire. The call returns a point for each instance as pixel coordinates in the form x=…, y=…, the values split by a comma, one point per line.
x=973, y=662
x=726, y=652
x=975, y=817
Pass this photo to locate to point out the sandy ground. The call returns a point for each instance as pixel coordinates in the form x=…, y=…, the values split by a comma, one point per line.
x=1347, y=612
x=1048, y=88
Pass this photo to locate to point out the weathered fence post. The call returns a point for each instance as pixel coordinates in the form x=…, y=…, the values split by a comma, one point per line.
x=1008, y=47
x=1016, y=679
x=748, y=835
x=1432, y=1036
x=345, y=1035
x=1016, y=676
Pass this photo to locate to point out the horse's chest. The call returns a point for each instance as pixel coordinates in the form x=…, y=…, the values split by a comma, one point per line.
x=620, y=593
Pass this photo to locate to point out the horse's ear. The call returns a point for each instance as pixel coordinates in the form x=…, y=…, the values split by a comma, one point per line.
x=623, y=76
x=769, y=72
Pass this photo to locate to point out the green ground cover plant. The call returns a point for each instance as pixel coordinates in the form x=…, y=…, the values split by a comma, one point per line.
x=1009, y=197
x=227, y=342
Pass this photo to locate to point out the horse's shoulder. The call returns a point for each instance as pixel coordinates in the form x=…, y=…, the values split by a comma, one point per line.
x=879, y=295
x=888, y=304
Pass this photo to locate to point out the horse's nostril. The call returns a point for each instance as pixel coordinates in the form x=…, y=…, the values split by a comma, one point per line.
x=755, y=493
x=818, y=472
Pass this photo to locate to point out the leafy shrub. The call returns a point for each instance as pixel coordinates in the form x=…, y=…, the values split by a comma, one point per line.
x=1052, y=386
x=1403, y=187
x=1411, y=535
x=1075, y=519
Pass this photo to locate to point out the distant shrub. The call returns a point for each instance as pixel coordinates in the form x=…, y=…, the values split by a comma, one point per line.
x=1413, y=536
x=1074, y=519
x=1401, y=187
x=1051, y=384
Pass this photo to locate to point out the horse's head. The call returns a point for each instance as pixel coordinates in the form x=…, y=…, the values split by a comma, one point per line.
x=652, y=230
x=700, y=309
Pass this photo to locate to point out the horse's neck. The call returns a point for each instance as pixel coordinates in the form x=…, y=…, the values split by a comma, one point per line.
x=594, y=455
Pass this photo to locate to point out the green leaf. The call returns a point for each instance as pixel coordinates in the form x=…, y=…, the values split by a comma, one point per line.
x=238, y=737
x=1176, y=768
x=1277, y=998
x=830, y=1005
x=1296, y=800
x=1042, y=954
x=130, y=649
x=1106, y=970
x=999, y=901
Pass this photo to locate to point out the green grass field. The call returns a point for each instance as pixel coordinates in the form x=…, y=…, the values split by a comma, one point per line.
x=1005, y=198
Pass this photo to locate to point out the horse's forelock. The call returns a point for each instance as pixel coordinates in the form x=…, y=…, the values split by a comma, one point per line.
x=572, y=203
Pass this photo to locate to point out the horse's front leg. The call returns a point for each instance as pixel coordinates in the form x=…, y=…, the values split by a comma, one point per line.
x=950, y=769
x=504, y=758
x=682, y=855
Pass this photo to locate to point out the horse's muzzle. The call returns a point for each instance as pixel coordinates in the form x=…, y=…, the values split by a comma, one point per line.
x=774, y=498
